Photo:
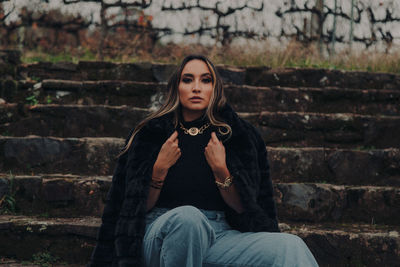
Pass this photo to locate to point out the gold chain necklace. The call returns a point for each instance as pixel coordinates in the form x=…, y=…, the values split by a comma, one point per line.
x=194, y=130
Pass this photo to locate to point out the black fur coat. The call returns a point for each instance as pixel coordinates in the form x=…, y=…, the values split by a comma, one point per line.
x=119, y=240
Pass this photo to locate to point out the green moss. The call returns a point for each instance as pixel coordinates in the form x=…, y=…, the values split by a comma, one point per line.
x=43, y=215
x=6, y=133
x=40, y=56
x=44, y=259
x=365, y=148
x=8, y=204
x=356, y=263
x=48, y=99
x=32, y=100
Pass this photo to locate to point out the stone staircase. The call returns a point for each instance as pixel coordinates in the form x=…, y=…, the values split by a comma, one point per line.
x=332, y=136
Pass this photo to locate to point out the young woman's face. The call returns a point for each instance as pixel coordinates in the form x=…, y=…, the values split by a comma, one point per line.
x=195, y=89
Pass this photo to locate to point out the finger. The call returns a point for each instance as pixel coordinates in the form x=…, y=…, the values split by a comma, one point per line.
x=176, y=141
x=210, y=141
x=173, y=136
x=207, y=151
x=174, y=144
x=214, y=137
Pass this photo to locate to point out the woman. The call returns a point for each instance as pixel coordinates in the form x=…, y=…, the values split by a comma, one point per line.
x=192, y=187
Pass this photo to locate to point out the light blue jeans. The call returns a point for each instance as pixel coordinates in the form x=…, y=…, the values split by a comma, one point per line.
x=192, y=237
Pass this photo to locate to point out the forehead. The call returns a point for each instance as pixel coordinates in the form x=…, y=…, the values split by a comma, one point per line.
x=196, y=66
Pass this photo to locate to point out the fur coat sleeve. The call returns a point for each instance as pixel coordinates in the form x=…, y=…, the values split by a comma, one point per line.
x=250, y=170
x=123, y=220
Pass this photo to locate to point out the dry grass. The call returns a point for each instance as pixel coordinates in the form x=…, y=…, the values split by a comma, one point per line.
x=293, y=55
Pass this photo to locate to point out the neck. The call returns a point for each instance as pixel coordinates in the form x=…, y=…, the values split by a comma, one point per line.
x=192, y=115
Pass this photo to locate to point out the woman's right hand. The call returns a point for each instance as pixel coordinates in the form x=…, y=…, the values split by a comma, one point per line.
x=168, y=155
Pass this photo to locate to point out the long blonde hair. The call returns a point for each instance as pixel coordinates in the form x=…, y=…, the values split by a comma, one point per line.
x=172, y=104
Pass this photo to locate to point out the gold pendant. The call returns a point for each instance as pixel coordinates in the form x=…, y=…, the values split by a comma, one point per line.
x=193, y=131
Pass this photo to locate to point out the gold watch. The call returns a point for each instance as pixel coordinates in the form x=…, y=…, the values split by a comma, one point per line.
x=226, y=184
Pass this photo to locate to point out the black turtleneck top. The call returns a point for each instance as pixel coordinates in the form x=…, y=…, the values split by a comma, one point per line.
x=190, y=181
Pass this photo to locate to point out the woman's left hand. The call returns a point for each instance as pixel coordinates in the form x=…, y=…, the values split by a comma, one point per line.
x=215, y=153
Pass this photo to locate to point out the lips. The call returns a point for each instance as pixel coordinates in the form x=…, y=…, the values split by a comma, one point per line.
x=195, y=99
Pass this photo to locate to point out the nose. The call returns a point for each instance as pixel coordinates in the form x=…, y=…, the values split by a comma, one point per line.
x=196, y=86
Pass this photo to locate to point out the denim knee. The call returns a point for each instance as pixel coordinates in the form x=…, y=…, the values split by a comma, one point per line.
x=179, y=237
x=189, y=217
x=287, y=248
x=289, y=242
x=297, y=250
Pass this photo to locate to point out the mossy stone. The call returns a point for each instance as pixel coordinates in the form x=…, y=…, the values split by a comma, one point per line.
x=8, y=90
x=7, y=70
x=10, y=56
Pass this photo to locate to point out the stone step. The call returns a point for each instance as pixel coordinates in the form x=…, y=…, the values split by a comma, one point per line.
x=70, y=240
x=242, y=97
x=38, y=260
x=95, y=71
x=308, y=77
x=34, y=154
x=318, y=100
x=9, y=61
x=335, y=166
x=73, y=239
x=260, y=76
x=97, y=156
x=294, y=129
x=73, y=196
x=345, y=130
x=131, y=93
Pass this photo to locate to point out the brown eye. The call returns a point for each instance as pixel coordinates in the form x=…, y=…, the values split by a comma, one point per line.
x=186, y=80
x=207, y=80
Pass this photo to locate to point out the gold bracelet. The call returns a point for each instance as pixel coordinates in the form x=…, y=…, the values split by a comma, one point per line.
x=226, y=184
x=157, y=179
x=157, y=184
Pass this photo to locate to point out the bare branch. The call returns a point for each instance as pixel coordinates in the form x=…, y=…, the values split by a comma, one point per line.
x=8, y=14
x=322, y=15
x=215, y=9
x=388, y=18
x=219, y=32
x=142, y=3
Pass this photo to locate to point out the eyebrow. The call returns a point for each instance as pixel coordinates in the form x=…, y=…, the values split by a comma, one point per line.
x=191, y=75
